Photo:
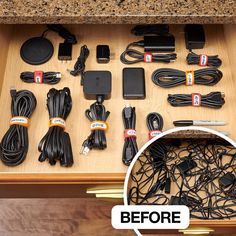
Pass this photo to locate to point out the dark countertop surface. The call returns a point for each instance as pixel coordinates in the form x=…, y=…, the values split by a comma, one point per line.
x=117, y=11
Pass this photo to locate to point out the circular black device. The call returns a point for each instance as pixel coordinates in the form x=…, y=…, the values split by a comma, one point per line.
x=36, y=51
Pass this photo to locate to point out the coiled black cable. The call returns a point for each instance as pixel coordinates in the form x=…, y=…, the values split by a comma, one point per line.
x=139, y=56
x=56, y=145
x=79, y=66
x=168, y=77
x=211, y=100
x=194, y=59
x=154, y=121
x=130, y=147
x=97, y=137
x=15, y=143
x=47, y=77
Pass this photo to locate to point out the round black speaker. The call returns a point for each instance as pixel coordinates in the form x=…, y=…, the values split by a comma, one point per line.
x=36, y=51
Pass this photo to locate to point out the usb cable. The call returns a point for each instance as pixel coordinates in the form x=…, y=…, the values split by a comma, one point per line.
x=211, y=100
x=130, y=147
x=168, y=77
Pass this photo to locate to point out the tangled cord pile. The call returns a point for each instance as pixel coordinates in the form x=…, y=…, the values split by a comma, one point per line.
x=199, y=174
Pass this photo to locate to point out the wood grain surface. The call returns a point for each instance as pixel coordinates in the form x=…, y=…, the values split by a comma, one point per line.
x=117, y=37
x=61, y=217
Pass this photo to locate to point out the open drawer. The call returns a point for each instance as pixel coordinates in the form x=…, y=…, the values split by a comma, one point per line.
x=104, y=166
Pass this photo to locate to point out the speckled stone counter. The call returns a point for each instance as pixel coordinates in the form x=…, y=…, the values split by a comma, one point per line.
x=117, y=11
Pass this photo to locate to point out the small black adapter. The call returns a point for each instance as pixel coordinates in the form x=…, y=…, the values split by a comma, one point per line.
x=65, y=52
x=194, y=36
x=186, y=165
x=97, y=83
x=226, y=180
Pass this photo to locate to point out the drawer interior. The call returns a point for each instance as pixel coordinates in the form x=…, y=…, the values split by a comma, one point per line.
x=219, y=40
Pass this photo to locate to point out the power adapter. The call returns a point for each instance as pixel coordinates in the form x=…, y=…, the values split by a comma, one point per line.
x=97, y=84
x=186, y=165
x=194, y=36
x=160, y=43
x=226, y=180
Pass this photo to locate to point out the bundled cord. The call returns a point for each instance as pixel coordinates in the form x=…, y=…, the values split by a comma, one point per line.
x=203, y=60
x=168, y=78
x=146, y=57
x=56, y=145
x=41, y=77
x=15, y=143
x=79, y=66
x=97, y=115
x=63, y=32
x=211, y=100
x=130, y=145
x=154, y=123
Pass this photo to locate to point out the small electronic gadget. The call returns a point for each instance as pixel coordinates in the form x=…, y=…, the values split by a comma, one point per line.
x=134, y=83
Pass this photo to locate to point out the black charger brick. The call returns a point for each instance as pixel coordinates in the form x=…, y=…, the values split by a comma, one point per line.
x=226, y=180
x=97, y=83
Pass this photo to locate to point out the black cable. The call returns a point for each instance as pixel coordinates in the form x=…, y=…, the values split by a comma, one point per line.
x=79, y=66
x=15, y=143
x=211, y=100
x=154, y=122
x=165, y=165
x=156, y=29
x=140, y=56
x=63, y=32
x=47, y=77
x=194, y=59
x=130, y=147
x=98, y=115
x=168, y=78
x=56, y=145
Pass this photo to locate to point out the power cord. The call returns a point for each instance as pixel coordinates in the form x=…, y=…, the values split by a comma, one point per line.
x=15, y=143
x=98, y=115
x=41, y=77
x=56, y=145
x=211, y=100
x=140, y=56
x=130, y=145
x=168, y=78
x=203, y=60
x=79, y=66
x=154, y=121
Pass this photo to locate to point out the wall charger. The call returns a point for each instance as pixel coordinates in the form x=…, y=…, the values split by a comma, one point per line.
x=194, y=36
x=97, y=84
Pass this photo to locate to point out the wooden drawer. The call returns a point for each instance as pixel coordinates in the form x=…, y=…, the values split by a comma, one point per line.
x=104, y=166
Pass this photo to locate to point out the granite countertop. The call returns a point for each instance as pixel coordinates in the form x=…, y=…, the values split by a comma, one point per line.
x=117, y=11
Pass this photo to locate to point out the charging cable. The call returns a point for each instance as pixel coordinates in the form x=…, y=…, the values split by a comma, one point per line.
x=155, y=124
x=79, y=66
x=41, y=77
x=56, y=145
x=130, y=145
x=211, y=100
x=168, y=78
x=97, y=115
x=144, y=57
x=15, y=143
x=203, y=60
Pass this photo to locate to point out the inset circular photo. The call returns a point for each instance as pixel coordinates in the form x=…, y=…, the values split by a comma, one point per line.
x=198, y=171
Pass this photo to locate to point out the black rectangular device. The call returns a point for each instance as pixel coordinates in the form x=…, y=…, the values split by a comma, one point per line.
x=103, y=54
x=97, y=83
x=159, y=43
x=194, y=36
x=134, y=83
